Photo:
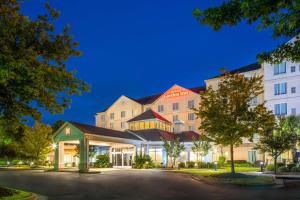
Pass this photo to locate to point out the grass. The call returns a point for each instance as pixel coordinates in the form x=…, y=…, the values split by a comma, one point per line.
x=224, y=176
x=12, y=194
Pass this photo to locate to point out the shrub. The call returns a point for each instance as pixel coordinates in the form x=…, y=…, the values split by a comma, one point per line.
x=143, y=162
x=181, y=165
x=221, y=161
x=237, y=161
x=290, y=166
x=201, y=165
x=257, y=163
x=3, y=162
x=190, y=164
x=280, y=164
x=295, y=169
x=210, y=165
x=283, y=169
x=102, y=161
x=15, y=162
x=270, y=167
x=246, y=164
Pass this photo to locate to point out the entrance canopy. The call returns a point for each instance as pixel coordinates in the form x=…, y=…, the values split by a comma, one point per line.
x=85, y=135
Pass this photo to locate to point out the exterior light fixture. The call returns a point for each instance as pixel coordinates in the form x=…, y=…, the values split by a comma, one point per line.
x=53, y=146
x=216, y=165
x=261, y=166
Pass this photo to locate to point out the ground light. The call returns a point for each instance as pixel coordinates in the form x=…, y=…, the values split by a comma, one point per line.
x=216, y=165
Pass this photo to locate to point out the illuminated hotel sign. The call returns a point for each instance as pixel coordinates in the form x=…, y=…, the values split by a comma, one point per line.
x=176, y=93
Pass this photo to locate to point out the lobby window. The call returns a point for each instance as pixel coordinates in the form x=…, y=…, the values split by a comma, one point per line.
x=175, y=118
x=279, y=68
x=156, y=154
x=280, y=109
x=123, y=114
x=103, y=118
x=280, y=88
x=160, y=108
x=191, y=104
x=293, y=90
x=111, y=125
x=112, y=116
x=175, y=106
x=293, y=111
x=293, y=69
x=191, y=128
x=122, y=124
x=191, y=116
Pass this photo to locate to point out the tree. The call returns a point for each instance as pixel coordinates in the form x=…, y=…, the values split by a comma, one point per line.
x=56, y=125
x=200, y=148
x=36, y=142
x=227, y=115
x=33, y=72
x=173, y=149
x=280, y=16
x=281, y=139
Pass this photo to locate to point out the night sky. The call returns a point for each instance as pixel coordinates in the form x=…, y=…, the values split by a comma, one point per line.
x=143, y=47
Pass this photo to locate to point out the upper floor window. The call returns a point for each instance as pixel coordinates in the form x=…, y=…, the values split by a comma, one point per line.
x=103, y=118
x=253, y=101
x=148, y=108
x=111, y=125
x=191, y=128
x=191, y=116
x=280, y=88
x=293, y=69
x=123, y=114
x=175, y=106
x=280, y=109
x=191, y=104
x=279, y=68
x=293, y=89
x=112, y=116
x=122, y=124
x=160, y=108
x=293, y=111
x=175, y=118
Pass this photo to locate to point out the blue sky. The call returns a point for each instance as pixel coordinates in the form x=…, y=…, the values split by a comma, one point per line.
x=141, y=47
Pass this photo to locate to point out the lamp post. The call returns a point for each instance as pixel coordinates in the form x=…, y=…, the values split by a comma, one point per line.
x=261, y=166
x=216, y=165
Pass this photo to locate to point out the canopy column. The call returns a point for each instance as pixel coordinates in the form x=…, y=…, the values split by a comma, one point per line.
x=84, y=154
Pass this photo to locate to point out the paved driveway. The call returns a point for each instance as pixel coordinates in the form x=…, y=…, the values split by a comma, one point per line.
x=132, y=184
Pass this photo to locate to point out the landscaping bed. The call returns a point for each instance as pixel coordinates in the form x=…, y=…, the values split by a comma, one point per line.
x=11, y=194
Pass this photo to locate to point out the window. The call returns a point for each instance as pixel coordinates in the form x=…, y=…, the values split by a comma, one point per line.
x=293, y=89
x=293, y=69
x=122, y=124
x=123, y=114
x=280, y=88
x=111, y=125
x=191, y=104
x=279, y=68
x=293, y=111
x=112, y=116
x=148, y=108
x=191, y=128
x=191, y=116
x=156, y=154
x=253, y=101
x=281, y=109
x=103, y=118
x=175, y=106
x=175, y=118
x=160, y=108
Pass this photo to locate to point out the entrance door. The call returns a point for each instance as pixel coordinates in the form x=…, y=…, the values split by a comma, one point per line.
x=122, y=159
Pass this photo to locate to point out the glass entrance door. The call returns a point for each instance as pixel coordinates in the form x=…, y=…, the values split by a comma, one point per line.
x=122, y=159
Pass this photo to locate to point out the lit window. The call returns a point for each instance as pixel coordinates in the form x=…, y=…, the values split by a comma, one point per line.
x=191, y=116
x=146, y=125
x=112, y=116
x=160, y=108
x=142, y=125
x=175, y=106
x=191, y=104
x=191, y=128
x=123, y=114
x=136, y=126
x=175, y=118
x=152, y=124
x=293, y=90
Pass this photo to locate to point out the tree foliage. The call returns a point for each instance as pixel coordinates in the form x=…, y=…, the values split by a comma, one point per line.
x=227, y=117
x=200, y=148
x=33, y=72
x=281, y=16
x=173, y=149
x=281, y=139
x=36, y=142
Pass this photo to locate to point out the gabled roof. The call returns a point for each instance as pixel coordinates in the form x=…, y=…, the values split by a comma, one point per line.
x=247, y=68
x=103, y=131
x=148, y=114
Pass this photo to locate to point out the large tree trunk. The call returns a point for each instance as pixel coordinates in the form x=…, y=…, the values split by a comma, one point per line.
x=275, y=165
x=232, y=161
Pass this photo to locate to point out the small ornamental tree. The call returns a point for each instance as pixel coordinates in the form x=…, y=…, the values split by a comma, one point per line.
x=227, y=115
x=200, y=148
x=36, y=142
x=281, y=139
x=282, y=17
x=173, y=149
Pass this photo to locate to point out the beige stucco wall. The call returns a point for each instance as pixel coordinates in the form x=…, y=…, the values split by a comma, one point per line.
x=131, y=108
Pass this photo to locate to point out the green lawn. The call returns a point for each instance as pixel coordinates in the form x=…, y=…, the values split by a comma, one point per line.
x=11, y=194
x=224, y=176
